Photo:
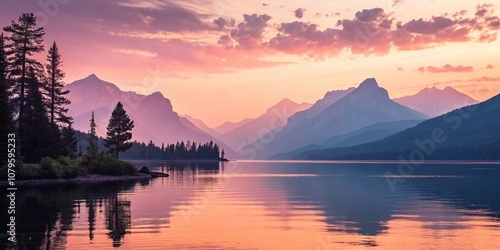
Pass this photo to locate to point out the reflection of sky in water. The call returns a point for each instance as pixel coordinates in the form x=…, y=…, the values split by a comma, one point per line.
x=278, y=205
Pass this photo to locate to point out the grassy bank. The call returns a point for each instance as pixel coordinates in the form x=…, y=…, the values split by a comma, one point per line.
x=70, y=168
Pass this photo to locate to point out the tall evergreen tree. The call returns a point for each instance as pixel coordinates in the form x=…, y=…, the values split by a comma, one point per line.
x=26, y=40
x=41, y=138
x=6, y=125
x=54, y=88
x=68, y=140
x=119, y=131
x=92, y=147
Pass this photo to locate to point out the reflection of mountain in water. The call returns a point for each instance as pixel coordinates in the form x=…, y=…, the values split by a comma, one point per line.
x=358, y=198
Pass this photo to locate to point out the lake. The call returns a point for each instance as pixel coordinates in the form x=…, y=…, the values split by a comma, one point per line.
x=270, y=205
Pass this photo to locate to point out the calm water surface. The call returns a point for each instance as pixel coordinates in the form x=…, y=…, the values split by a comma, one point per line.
x=270, y=205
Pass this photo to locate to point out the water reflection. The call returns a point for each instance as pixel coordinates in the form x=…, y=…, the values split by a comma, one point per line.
x=45, y=214
x=267, y=206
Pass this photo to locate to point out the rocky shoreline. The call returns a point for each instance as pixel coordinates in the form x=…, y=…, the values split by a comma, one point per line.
x=79, y=180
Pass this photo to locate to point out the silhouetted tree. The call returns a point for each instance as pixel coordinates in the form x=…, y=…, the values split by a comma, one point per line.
x=54, y=88
x=118, y=219
x=26, y=40
x=119, y=131
x=6, y=124
x=92, y=147
x=91, y=213
x=68, y=140
x=41, y=138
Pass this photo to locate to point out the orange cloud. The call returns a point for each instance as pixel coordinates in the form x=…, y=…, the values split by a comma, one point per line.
x=446, y=69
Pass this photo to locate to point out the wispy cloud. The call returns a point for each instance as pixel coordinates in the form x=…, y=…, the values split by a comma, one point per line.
x=135, y=52
x=446, y=69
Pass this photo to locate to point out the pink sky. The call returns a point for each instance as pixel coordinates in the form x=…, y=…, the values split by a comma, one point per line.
x=227, y=60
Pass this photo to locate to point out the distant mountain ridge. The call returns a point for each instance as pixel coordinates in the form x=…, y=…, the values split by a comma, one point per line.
x=153, y=114
x=274, y=117
x=366, y=134
x=330, y=98
x=470, y=132
x=367, y=104
x=434, y=102
x=228, y=126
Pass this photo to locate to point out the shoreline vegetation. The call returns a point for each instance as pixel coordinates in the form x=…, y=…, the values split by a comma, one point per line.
x=88, y=168
x=94, y=178
x=97, y=168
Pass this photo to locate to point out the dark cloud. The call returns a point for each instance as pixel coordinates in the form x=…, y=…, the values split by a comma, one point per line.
x=370, y=15
x=249, y=33
x=367, y=33
x=483, y=10
x=299, y=13
x=446, y=69
x=430, y=27
x=222, y=23
x=373, y=31
x=490, y=66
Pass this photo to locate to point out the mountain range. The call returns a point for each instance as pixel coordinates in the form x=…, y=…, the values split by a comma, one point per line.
x=469, y=133
x=366, y=134
x=342, y=118
x=367, y=104
x=153, y=114
x=274, y=118
x=434, y=102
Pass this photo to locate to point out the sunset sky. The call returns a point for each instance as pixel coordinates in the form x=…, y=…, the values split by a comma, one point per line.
x=228, y=60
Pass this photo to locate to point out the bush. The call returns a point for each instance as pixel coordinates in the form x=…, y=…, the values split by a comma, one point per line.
x=106, y=164
x=69, y=168
x=29, y=172
x=63, y=167
x=23, y=172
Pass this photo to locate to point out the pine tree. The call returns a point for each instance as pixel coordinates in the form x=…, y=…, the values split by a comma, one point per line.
x=6, y=125
x=80, y=149
x=119, y=131
x=68, y=140
x=54, y=88
x=92, y=147
x=41, y=138
x=26, y=40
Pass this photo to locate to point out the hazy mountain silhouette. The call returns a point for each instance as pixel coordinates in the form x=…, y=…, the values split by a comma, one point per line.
x=199, y=125
x=229, y=126
x=366, y=134
x=153, y=114
x=434, y=102
x=367, y=104
x=330, y=98
x=467, y=133
x=369, y=133
x=274, y=117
